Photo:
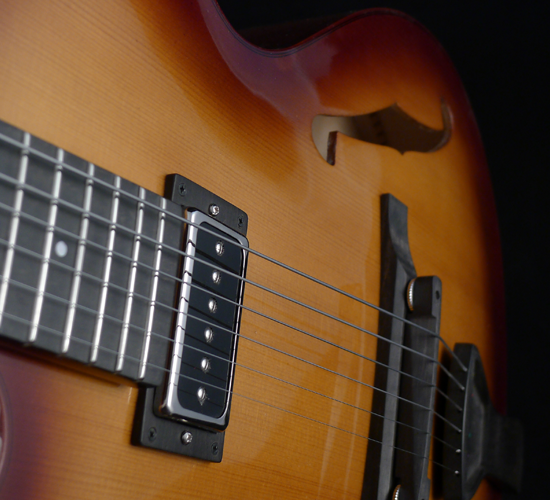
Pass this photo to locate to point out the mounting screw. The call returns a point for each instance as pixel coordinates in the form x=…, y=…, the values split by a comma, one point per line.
x=214, y=210
x=216, y=277
x=241, y=220
x=395, y=495
x=410, y=294
x=201, y=395
x=182, y=189
x=205, y=365
x=152, y=434
x=215, y=449
x=186, y=438
x=208, y=334
x=212, y=306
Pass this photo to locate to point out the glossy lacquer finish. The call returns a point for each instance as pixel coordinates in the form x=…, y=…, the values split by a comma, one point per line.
x=145, y=89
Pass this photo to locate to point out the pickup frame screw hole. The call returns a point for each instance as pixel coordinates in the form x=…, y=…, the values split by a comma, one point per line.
x=152, y=433
x=215, y=449
x=182, y=189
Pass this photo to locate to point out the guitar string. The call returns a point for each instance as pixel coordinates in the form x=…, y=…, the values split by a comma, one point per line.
x=170, y=340
x=194, y=285
x=235, y=276
x=320, y=422
x=429, y=434
x=225, y=271
x=43, y=156
x=117, y=320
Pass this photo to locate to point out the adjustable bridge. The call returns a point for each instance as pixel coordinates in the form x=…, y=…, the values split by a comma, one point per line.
x=479, y=442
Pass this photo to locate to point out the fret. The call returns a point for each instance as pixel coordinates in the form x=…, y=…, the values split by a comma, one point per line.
x=154, y=289
x=14, y=224
x=131, y=284
x=77, y=275
x=93, y=258
x=48, y=243
x=106, y=273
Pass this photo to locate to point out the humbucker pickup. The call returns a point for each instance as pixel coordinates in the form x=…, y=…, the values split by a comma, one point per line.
x=205, y=340
x=98, y=270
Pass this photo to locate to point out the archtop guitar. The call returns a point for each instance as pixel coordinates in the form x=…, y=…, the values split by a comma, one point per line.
x=229, y=272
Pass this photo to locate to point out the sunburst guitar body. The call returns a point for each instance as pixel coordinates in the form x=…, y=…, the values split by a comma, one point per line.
x=146, y=89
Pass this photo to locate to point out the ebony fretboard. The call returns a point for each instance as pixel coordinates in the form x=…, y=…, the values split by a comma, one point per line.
x=87, y=260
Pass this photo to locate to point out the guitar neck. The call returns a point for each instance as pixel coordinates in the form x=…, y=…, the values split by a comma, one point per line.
x=89, y=260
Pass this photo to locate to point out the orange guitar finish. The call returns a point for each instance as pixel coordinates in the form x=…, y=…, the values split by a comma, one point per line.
x=145, y=89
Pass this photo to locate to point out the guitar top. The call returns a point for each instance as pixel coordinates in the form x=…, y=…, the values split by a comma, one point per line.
x=142, y=90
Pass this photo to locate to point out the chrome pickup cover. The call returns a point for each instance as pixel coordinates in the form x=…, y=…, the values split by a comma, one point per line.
x=202, y=365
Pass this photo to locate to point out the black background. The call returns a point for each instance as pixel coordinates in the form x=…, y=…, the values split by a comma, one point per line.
x=502, y=51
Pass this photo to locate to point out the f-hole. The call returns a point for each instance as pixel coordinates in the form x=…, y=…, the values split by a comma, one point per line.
x=390, y=127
